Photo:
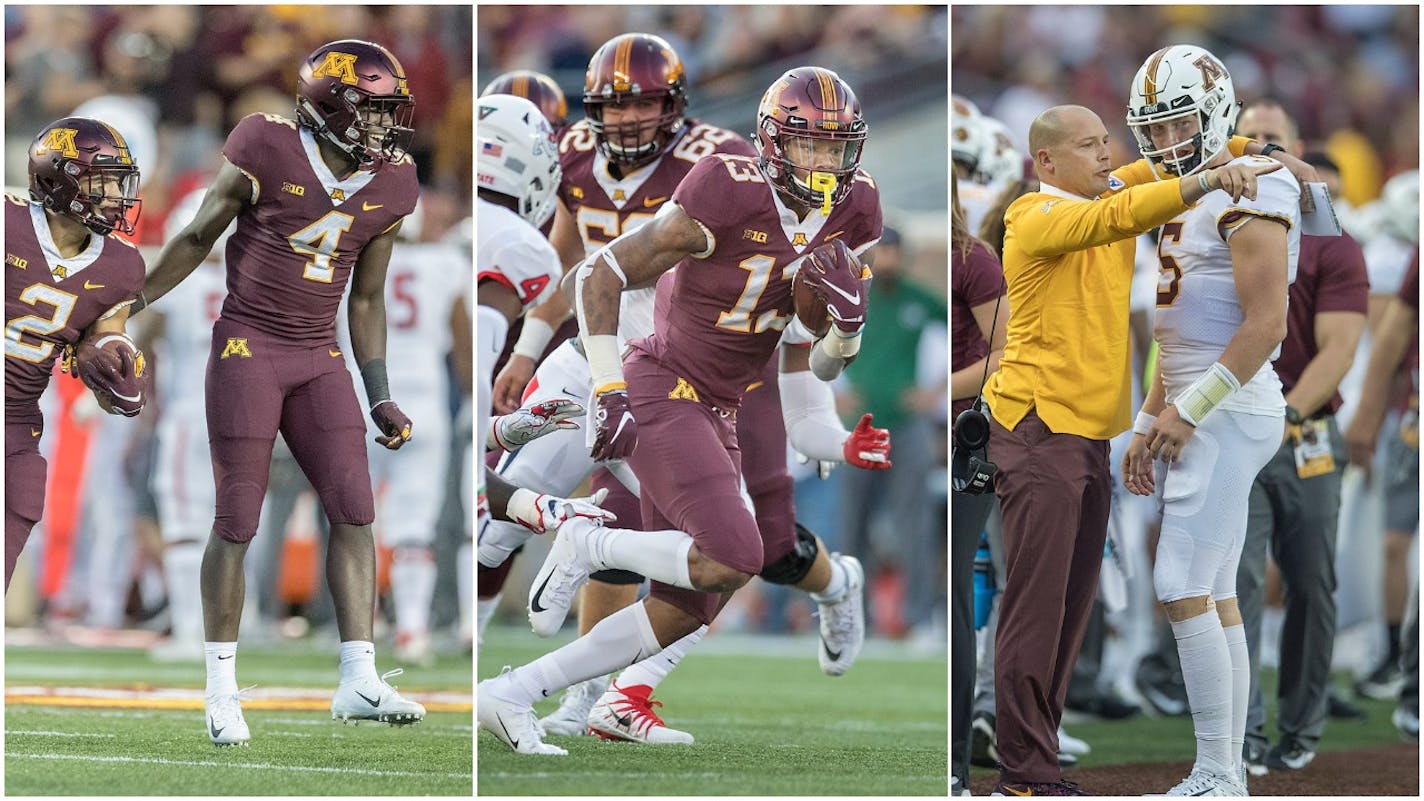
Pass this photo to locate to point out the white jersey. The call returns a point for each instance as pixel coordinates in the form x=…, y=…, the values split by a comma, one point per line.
x=189, y=312
x=977, y=200
x=1197, y=308
x=514, y=253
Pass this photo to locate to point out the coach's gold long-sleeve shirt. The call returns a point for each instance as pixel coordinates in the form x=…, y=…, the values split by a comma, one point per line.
x=1068, y=265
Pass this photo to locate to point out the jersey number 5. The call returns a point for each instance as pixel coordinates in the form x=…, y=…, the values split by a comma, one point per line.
x=15, y=329
x=319, y=241
x=1169, y=282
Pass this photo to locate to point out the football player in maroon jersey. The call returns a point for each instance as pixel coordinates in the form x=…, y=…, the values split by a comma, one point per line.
x=318, y=200
x=739, y=227
x=66, y=276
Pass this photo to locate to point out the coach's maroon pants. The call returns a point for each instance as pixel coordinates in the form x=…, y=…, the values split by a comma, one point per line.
x=1054, y=492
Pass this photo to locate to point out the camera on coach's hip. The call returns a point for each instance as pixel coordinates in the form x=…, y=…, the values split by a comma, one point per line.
x=971, y=472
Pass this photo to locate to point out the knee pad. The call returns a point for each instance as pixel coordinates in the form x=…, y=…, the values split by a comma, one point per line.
x=239, y=505
x=619, y=577
x=1186, y=566
x=796, y=563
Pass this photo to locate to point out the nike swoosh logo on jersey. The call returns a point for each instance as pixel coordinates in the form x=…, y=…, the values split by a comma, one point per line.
x=90, y=285
x=852, y=298
x=370, y=206
x=376, y=702
x=539, y=593
x=649, y=202
x=34, y=432
x=333, y=352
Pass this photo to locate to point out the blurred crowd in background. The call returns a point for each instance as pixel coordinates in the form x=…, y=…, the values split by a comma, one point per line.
x=894, y=57
x=174, y=80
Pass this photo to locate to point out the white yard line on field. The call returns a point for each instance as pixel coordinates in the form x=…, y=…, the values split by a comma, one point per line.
x=254, y=765
x=13, y=732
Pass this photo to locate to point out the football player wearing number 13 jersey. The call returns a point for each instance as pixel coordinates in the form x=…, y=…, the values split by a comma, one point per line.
x=738, y=229
x=317, y=201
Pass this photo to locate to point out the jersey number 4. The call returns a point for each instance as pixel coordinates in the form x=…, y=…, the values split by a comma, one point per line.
x=319, y=241
x=39, y=326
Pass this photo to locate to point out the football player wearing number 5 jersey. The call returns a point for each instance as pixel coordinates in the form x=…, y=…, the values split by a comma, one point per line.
x=739, y=229
x=1215, y=413
x=318, y=201
x=65, y=276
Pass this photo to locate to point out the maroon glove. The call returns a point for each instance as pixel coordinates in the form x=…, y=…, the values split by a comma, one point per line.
x=393, y=424
x=868, y=447
x=841, y=281
x=128, y=394
x=98, y=368
x=615, y=432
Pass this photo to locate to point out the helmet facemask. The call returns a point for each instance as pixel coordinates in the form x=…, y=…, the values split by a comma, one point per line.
x=102, y=210
x=633, y=143
x=817, y=166
x=1178, y=82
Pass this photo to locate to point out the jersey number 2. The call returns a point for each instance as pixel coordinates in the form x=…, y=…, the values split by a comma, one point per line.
x=319, y=241
x=15, y=329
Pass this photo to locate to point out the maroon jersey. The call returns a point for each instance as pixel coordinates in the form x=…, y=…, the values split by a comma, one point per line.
x=604, y=206
x=1330, y=277
x=50, y=300
x=975, y=279
x=721, y=314
x=295, y=245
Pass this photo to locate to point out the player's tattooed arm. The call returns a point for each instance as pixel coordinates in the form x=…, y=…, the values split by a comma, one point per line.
x=229, y=193
x=633, y=259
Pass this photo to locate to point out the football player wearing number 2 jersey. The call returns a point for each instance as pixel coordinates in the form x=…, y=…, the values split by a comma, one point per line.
x=739, y=228
x=318, y=201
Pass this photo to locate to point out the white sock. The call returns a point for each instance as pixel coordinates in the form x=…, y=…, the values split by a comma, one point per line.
x=412, y=588
x=619, y=640
x=487, y=607
x=182, y=562
x=465, y=584
x=659, y=555
x=358, y=660
x=835, y=588
x=654, y=669
x=1206, y=671
x=1240, y=688
x=221, y=658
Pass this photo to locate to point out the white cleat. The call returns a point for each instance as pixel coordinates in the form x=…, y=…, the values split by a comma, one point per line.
x=513, y=723
x=843, y=621
x=626, y=713
x=1068, y=744
x=226, y=725
x=565, y=569
x=1204, y=782
x=374, y=699
x=413, y=648
x=571, y=718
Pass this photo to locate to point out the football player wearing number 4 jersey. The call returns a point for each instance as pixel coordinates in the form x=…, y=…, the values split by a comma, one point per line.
x=317, y=201
x=740, y=228
x=66, y=277
x=1215, y=413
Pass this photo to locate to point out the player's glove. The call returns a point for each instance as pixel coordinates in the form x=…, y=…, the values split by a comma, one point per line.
x=96, y=367
x=836, y=276
x=868, y=447
x=615, y=432
x=542, y=514
x=532, y=421
x=393, y=424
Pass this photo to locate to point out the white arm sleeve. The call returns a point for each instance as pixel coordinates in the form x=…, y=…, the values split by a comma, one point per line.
x=808, y=408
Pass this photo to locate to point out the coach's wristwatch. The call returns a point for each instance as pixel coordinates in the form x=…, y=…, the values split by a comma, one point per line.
x=1293, y=415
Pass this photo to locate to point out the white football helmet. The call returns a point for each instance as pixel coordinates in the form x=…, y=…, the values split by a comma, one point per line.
x=518, y=155
x=967, y=144
x=1002, y=163
x=1399, y=206
x=1176, y=82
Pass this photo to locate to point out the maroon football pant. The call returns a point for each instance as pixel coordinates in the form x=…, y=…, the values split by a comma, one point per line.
x=258, y=385
x=689, y=465
x=25, y=471
x=761, y=434
x=1055, y=491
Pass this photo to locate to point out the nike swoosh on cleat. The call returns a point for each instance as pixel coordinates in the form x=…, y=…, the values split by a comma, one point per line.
x=852, y=298
x=835, y=656
x=376, y=702
x=513, y=742
x=626, y=721
x=214, y=730
x=539, y=593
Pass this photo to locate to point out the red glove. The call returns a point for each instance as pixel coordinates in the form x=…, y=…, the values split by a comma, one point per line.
x=393, y=424
x=868, y=447
x=615, y=430
x=841, y=282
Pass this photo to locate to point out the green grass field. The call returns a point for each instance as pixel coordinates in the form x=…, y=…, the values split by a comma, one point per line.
x=149, y=748
x=767, y=722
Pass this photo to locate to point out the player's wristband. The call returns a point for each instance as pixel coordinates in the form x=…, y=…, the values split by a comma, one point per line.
x=378, y=388
x=523, y=508
x=605, y=362
x=1143, y=424
x=1206, y=393
x=839, y=344
x=1201, y=181
x=533, y=338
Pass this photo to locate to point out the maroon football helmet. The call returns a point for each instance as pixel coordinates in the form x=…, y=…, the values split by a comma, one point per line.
x=627, y=68
x=811, y=104
x=354, y=95
x=537, y=88
x=73, y=164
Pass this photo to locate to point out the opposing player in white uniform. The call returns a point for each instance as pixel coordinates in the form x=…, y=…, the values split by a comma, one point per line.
x=985, y=160
x=182, y=474
x=1215, y=413
x=425, y=281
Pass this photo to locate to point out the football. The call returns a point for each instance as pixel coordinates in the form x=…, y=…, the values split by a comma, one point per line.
x=128, y=395
x=810, y=309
